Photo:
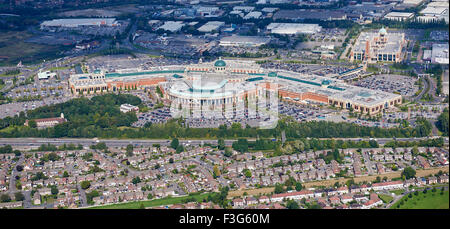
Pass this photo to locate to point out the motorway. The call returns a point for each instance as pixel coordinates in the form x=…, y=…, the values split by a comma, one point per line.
x=35, y=142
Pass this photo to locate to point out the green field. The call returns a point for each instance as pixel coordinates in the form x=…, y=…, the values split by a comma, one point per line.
x=386, y=198
x=14, y=47
x=153, y=203
x=430, y=200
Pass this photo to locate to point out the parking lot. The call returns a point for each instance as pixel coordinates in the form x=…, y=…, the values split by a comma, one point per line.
x=143, y=62
x=160, y=115
x=438, y=35
x=325, y=37
x=403, y=85
x=320, y=70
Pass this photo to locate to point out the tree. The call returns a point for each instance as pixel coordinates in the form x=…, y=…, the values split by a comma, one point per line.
x=228, y=152
x=377, y=180
x=221, y=144
x=17, y=153
x=174, y=144
x=149, y=196
x=240, y=145
x=5, y=198
x=85, y=184
x=180, y=149
x=19, y=168
x=443, y=122
x=136, y=180
x=247, y=173
x=130, y=150
x=216, y=171
x=171, y=160
x=291, y=204
x=408, y=173
x=141, y=206
x=18, y=196
x=65, y=174
x=32, y=123
x=298, y=186
x=278, y=188
x=350, y=182
x=19, y=185
x=54, y=190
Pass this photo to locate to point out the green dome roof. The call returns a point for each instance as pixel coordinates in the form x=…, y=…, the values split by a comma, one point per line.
x=326, y=82
x=220, y=63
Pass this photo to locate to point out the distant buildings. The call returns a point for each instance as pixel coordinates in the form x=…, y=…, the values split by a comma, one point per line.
x=47, y=122
x=45, y=75
x=211, y=26
x=293, y=28
x=435, y=11
x=378, y=46
x=76, y=22
x=399, y=16
x=244, y=41
x=172, y=26
x=300, y=15
x=253, y=15
x=439, y=54
x=207, y=11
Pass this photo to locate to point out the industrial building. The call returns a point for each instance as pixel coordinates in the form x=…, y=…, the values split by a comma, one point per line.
x=253, y=15
x=293, y=28
x=306, y=14
x=378, y=46
x=399, y=16
x=439, y=54
x=435, y=11
x=76, y=22
x=172, y=26
x=210, y=26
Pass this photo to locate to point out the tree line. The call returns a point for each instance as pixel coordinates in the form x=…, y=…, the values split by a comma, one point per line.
x=100, y=117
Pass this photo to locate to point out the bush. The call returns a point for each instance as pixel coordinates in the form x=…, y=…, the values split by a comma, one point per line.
x=85, y=184
x=5, y=198
x=19, y=196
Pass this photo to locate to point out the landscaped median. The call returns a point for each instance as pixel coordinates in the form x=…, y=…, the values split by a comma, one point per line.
x=153, y=203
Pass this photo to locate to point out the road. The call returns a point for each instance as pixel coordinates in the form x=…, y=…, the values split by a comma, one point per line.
x=425, y=89
x=35, y=142
x=83, y=198
x=368, y=163
x=12, y=182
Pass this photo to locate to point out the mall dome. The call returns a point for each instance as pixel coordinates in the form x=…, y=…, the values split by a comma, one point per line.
x=220, y=63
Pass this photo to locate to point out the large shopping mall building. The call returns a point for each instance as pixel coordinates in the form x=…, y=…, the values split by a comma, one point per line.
x=231, y=82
